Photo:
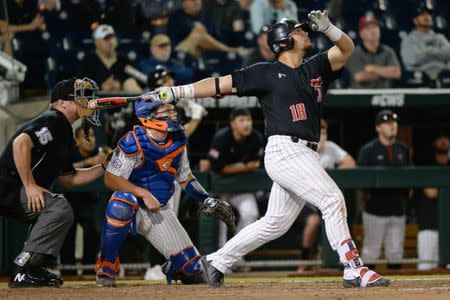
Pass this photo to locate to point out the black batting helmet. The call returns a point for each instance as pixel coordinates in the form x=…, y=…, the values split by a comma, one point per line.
x=278, y=37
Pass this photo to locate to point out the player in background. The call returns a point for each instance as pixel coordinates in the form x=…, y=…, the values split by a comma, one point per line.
x=142, y=172
x=290, y=91
x=384, y=216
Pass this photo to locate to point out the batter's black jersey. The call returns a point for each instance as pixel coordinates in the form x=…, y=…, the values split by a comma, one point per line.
x=225, y=150
x=291, y=98
x=53, y=142
x=385, y=202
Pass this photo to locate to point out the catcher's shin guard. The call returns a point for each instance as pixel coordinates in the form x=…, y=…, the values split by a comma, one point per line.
x=184, y=266
x=119, y=216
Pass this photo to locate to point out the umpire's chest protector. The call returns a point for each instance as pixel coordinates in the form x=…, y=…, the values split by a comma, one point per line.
x=159, y=164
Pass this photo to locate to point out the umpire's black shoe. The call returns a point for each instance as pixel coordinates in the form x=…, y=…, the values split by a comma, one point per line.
x=34, y=277
x=213, y=276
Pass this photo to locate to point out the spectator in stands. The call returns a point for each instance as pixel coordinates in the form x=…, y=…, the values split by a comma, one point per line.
x=234, y=150
x=427, y=209
x=263, y=12
x=331, y=156
x=423, y=49
x=263, y=52
x=84, y=204
x=22, y=16
x=160, y=54
x=226, y=15
x=83, y=14
x=105, y=65
x=384, y=214
x=193, y=33
x=154, y=15
x=373, y=65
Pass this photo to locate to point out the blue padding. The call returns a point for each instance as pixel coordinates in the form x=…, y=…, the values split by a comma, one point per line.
x=187, y=261
x=119, y=210
x=128, y=197
x=128, y=144
x=112, y=239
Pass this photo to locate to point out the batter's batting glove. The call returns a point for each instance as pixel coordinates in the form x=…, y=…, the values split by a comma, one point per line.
x=221, y=210
x=319, y=20
x=163, y=94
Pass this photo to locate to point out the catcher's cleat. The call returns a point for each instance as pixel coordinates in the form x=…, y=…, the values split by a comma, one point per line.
x=213, y=276
x=364, y=278
x=106, y=272
x=105, y=281
x=34, y=277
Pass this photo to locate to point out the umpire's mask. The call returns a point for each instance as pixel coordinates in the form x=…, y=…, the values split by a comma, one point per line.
x=84, y=90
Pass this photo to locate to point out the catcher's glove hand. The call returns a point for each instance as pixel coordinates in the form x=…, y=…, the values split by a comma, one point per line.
x=220, y=209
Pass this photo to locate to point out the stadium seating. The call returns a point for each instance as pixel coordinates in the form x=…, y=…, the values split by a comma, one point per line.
x=72, y=37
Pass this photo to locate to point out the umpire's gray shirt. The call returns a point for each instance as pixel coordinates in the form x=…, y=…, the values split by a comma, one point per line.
x=384, y=56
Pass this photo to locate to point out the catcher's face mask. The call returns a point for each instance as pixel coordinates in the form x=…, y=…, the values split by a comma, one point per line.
x=159, y=116
x=86, y=89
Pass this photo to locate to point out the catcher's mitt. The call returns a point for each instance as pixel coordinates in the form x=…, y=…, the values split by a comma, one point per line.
x=220, y=209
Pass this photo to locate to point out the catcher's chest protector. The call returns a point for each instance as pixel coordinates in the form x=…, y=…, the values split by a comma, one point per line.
x=159, y=164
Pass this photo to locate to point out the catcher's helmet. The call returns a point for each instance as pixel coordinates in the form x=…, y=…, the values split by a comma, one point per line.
x=278, y=37
x=146, y=113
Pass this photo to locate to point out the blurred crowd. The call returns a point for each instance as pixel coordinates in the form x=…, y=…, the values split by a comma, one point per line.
x=400, y=43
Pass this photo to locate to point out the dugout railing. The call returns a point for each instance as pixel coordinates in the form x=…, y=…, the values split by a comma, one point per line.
x=12, y=234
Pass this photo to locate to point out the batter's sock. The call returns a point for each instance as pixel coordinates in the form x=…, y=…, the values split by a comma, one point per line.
x=349, y=255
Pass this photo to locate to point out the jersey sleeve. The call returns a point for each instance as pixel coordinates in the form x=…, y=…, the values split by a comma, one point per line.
x=250, y=81
x=126, y=156
x=42, y=133
x=122, y=165
x=320, y=65
x=184, y=170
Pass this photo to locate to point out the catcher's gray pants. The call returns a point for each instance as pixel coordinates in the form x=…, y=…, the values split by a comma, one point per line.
x=48, y=227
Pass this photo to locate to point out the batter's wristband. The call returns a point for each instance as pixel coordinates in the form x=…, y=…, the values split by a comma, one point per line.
x=333, y=33
x=183, y=91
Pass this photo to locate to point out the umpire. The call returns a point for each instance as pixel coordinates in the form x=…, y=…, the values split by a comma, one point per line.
x=37, y=154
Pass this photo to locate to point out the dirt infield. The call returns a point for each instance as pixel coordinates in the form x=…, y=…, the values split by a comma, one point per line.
x=402, y=287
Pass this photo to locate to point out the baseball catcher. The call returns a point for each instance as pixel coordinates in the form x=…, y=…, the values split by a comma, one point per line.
x=142, y=171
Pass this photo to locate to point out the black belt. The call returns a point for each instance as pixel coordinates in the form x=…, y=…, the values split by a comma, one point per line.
x=311, y=145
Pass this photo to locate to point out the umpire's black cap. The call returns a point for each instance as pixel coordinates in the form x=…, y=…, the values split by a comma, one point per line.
x=63, y=90
x=386, y=115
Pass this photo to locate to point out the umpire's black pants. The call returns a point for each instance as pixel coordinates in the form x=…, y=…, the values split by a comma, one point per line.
x=48, y=227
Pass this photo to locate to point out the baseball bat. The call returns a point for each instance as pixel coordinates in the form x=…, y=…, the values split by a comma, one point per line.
x=110, y=102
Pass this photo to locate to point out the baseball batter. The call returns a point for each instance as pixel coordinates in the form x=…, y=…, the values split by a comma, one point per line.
x=144, y=166
x=290, y=91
